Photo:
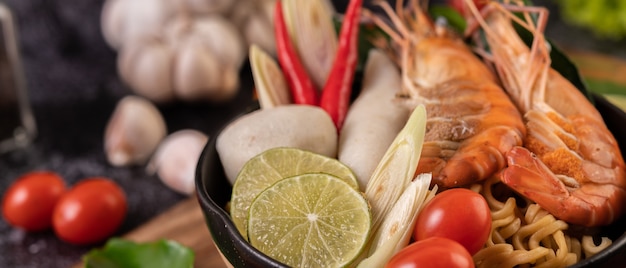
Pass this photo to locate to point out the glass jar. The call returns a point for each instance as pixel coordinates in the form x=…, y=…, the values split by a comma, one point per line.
x=17, y=123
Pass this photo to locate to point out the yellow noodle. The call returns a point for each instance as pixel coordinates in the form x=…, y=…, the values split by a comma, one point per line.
x=590, y=248
x=529, y=236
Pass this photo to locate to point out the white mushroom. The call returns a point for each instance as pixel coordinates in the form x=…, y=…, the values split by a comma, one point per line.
x=374, y=119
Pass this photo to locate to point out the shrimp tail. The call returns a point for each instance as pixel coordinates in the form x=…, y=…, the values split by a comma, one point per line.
x=584, y=205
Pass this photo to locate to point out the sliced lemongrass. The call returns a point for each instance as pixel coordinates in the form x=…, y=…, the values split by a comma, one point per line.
x=397, y=167
x=395, y=231
x=310, y=25
x=270, y=83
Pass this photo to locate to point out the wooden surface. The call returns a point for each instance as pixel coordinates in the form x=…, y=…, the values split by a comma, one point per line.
x=184, y=222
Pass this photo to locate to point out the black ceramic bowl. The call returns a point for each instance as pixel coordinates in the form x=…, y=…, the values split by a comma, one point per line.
x=214, y=191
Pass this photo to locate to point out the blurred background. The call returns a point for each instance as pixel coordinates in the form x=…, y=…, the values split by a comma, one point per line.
x=74, y=80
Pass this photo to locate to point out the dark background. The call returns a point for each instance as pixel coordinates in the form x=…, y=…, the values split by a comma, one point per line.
x=73, y=87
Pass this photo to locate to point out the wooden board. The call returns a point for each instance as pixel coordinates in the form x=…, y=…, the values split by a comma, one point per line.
x=183, y=223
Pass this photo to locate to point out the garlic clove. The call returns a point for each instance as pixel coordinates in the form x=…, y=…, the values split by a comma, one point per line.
x=133, y=132
x=204, y=7
x=124, y=21
x=146, y=67
x=176, y=159
x=223, y=38
x=203, y=69
x=196, y=72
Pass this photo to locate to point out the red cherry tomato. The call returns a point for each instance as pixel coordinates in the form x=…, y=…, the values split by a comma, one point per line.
x=30, y=200
x=90, y=212
x=458, y=214
x=434, y=252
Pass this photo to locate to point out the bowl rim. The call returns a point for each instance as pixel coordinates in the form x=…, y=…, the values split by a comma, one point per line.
x=240, y=253
x=233, y=246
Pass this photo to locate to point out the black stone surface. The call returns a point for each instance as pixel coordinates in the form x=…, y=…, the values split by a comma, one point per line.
x=74, y=87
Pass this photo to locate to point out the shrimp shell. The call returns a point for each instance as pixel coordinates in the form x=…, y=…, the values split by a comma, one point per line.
x=573, y=167
x=471, y=121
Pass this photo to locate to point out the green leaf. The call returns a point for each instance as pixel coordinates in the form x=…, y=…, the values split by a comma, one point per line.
x=606, y=87
x=118, y=253
x=453, y=17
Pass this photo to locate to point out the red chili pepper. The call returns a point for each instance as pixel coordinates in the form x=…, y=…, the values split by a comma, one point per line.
x=338, y=87
x=302, y=89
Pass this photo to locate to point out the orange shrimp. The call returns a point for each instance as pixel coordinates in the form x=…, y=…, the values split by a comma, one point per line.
x=583, y=180
x=471, y=121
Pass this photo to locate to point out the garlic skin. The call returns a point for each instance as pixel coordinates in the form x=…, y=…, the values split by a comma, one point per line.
x=145, y=66
x=133, y=132
x=124, y=21
x=210, y=53
x=194, y=59
x=206, y=6
x=255, y=19
x=176, y=159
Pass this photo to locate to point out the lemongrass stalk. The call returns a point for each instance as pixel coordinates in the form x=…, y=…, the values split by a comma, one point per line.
x=397, y=167
x=395, y=231
x=310, y=25
x=269, y=81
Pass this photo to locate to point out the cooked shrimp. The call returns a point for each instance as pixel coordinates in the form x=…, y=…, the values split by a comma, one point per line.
x=471, y=121
x=583, y=181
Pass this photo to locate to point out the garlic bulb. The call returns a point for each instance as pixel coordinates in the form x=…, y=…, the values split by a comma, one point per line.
x=127, y=20
x=133, y=132
x=204, y=7
x=176, y=158
x=145, y=66
x=193, y=59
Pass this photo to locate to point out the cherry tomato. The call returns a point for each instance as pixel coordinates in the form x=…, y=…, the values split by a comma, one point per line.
x=458, y=214
x=30, y=200
x=90, y=212
x=434, y=252
x=461, y=7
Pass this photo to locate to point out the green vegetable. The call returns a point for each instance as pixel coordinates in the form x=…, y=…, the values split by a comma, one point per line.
x=453, y=17
x=123, y=253
x=606, y=18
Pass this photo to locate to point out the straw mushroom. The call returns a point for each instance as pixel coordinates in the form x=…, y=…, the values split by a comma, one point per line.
x=299, y=126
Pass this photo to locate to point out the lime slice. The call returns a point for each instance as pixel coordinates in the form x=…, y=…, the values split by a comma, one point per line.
x=276, y=164
x=310, y=220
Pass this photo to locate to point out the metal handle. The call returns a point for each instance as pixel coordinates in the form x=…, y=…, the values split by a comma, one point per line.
x=17, y=123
